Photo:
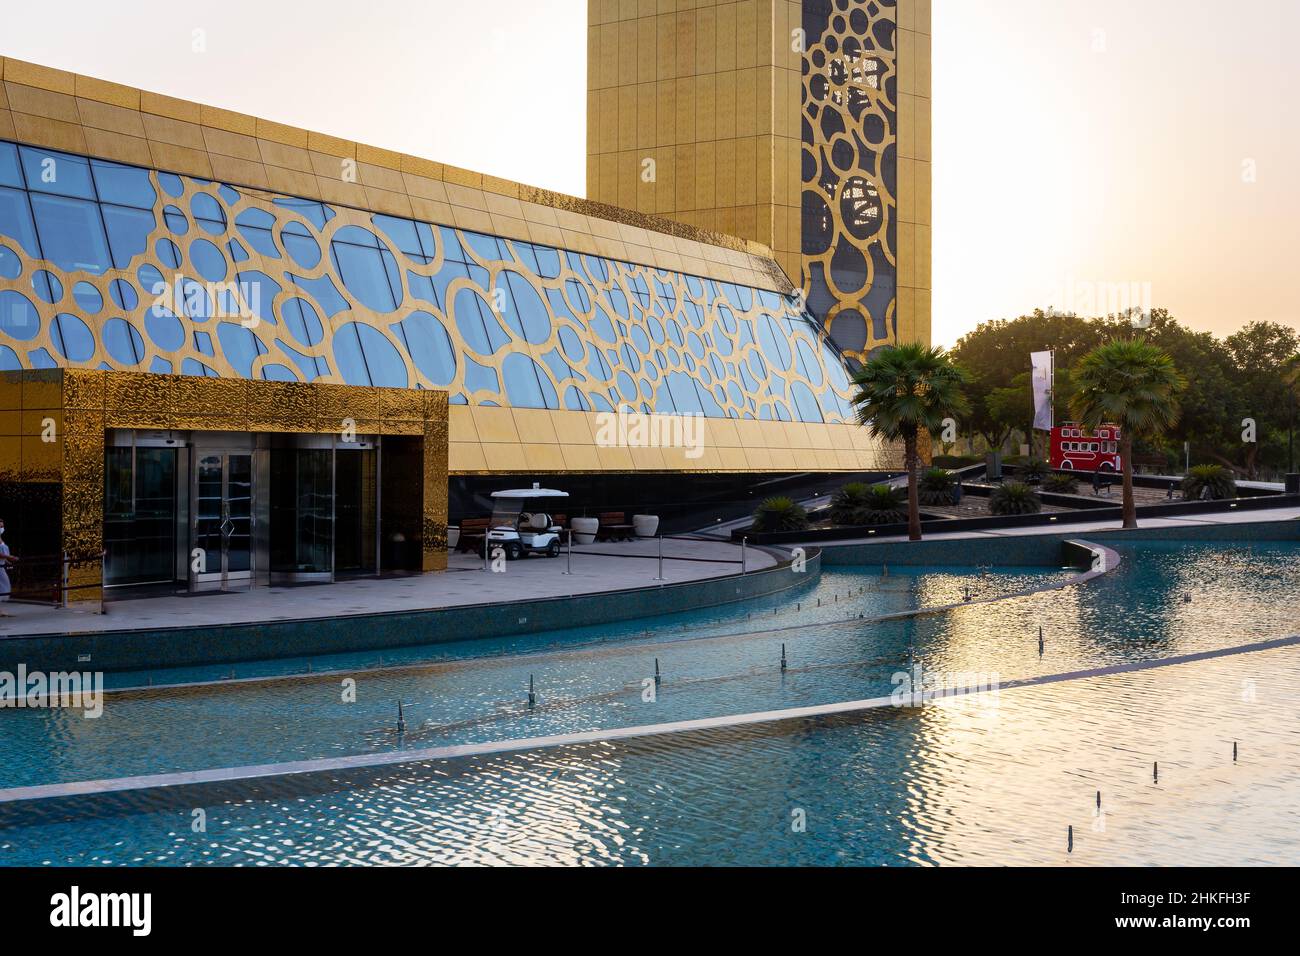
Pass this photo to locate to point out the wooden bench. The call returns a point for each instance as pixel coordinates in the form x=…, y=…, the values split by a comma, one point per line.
x=614, y=527
x=473, y=532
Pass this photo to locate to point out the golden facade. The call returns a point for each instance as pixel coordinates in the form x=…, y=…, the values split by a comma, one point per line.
x=53, y=424
x=711, y=303
x=801, y=124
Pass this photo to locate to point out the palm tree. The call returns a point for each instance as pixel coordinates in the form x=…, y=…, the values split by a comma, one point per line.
x=902, y=391
x=1135, y=385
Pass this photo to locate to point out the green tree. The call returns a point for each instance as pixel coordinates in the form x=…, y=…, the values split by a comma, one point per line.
x=903, y=391
x=997, y=353
x=1291, y=375
x=1135, y=385
x=1260, y=353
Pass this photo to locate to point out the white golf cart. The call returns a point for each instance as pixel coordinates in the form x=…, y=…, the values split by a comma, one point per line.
x=519, y=527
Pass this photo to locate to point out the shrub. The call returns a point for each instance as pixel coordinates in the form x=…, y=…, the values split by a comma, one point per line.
x=936, y=487
x=779, y=514
x=1014, y=498
x=1061, y=483
x=849, y=504
x=886, y=505
x=1033, y=470
x=857, y=504
x=1215, y=477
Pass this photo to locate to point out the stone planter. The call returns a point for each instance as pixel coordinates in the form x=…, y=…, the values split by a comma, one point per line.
x=645, y=526
x=584, y=529
x=453, y=538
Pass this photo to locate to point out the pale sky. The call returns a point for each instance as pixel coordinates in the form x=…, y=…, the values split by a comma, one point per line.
x=1089, y=154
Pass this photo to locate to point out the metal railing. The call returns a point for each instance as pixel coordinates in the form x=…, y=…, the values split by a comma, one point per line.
x=46, y=579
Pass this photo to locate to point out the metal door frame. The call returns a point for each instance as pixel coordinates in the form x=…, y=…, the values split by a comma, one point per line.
x=197, y=579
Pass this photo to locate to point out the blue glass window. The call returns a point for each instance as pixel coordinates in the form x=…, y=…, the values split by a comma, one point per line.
x=808, y=364
x=413, y=239
x=208, y=260
x=365, y=356
x=575, y=401
x=123, y=342
x=72, y=338
x=47, y=286
x=524, y=310
x=165, y=330
x=301, y=245
x=171, y=184
x=527, y=386
x=128, y=233
x=176, y=222
x=429, y=346
x=240, y=347
x=18, y=317
x=302, y=321
x=323, y=292
x=87, y=297
x=16, y=220
x=11, y=265
x=255, y=226
x=312, y=368
x=48, y=171
x=367, y=268
x=480, y=378
x=123, y=185
x=258, y=291
x=71, y=233
x=208, y=214
x=805, y=403
x=318, y=214
x=272, y=372
x=10, y=173
x=168, y=253
x=477, y=323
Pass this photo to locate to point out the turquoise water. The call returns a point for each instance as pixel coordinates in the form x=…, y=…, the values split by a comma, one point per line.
x=585, y=679
x=985, y=779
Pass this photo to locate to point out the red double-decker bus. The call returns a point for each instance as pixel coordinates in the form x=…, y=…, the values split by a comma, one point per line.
x=1075, y=447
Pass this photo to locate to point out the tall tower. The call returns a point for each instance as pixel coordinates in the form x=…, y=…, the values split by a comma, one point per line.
x=801, y=124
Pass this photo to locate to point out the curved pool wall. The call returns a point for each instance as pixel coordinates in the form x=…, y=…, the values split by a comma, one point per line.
x=1005, y=549
x=163, y=647
x=23, y=806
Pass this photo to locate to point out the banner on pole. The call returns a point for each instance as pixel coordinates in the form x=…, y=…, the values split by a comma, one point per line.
x=1042, y=379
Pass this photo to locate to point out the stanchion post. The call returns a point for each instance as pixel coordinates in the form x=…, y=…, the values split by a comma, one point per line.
x=661, y=559
x=743, y=564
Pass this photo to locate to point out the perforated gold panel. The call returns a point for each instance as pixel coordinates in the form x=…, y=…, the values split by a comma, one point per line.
x=803, y=124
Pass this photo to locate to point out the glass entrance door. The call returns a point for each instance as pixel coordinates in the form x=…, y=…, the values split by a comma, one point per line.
x=140, y=515
x=222, y=519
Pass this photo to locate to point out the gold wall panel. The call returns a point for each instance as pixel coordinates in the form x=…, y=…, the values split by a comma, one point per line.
x=84, y=403
x=55, y=109
x=487, y=440
x=800, y=124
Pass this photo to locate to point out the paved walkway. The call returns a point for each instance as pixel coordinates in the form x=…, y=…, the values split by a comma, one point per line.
x=596, y=568
x=1081, y=525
